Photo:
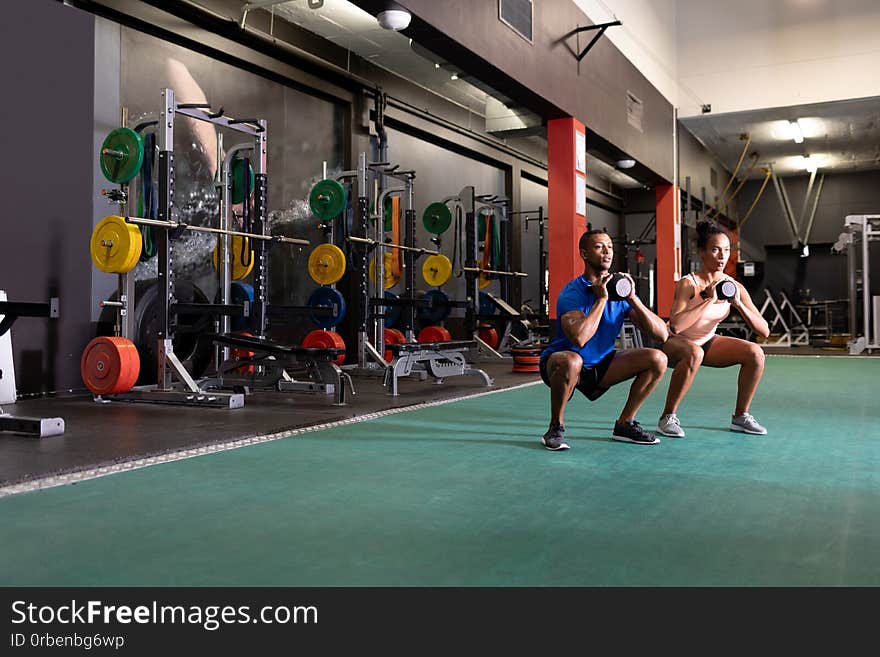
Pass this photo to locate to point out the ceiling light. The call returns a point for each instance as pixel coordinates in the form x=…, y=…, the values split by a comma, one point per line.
x=811, y=163
x=625, y=164
x=454, y=76
x=436, y=65
x=796, y=133
x=806, y=251
x=394, y=19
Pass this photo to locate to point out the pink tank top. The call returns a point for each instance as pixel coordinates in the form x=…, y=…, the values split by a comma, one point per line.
x=703, y=329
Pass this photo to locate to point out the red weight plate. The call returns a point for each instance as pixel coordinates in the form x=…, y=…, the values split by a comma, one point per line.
x=324, y=339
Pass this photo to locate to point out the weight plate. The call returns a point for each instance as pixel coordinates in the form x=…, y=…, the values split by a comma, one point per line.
x=392, y=313
x=329, y=298
x=434, y=334
x=322, y=339
x=327, y=199
x=110, y=365
x=436, y=270
x=389, y=218
x=437, y=313
x=240, y=292
x=238, y=271
x=392, y=336
x=484, y=281
x=490, y=336
x=116, y=245
x=190, y=347
x=237, y=175
x=121, y=156
x=436, y=218
x=390, y=280
x=326, y=264
x=241, y=353
x=487, y=306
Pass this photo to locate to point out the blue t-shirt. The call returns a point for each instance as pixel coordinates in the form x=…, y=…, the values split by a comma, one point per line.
x=578, y=295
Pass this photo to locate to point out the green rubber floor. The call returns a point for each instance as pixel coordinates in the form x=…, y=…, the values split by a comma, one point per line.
x=463, y=494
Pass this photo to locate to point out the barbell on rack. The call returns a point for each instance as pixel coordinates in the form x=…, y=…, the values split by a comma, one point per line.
x=494, y=272
x=115, y=247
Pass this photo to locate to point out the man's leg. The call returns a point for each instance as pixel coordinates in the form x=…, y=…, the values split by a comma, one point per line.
x=564, y=370
x=646, y=365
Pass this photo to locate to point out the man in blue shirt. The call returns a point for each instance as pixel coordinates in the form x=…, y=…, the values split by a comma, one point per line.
x=582, y=355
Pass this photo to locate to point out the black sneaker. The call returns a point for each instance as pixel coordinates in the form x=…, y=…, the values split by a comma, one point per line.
x=554, y=439
x=632, y=432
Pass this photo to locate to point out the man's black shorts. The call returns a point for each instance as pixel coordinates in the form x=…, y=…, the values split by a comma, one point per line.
x=588, y=381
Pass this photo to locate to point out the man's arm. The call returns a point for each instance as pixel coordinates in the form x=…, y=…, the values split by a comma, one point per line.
x=578, y=327
x=643, y=317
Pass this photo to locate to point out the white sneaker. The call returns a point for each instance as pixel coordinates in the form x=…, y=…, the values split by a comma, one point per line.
x=670, y=426
x=746, y=424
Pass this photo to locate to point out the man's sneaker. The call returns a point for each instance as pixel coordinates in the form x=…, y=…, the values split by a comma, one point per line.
x=554, y=439
x=747, y=424
x=632, y=432
x=670, y=426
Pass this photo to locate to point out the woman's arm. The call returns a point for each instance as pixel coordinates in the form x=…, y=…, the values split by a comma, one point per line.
x=743, y=303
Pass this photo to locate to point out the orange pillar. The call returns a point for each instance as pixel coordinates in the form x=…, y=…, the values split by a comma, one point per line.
x=566, y=202
x=668, y=246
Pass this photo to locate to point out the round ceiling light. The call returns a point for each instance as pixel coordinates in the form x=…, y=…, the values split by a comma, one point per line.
x=625, y=164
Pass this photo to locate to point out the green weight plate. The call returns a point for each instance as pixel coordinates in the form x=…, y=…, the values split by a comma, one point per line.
x=327, y=199
x=121, y=156
x=238, y=181
x=437, y=218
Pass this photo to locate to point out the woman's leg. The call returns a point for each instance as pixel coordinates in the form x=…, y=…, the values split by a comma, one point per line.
x=687, y=357
x=725, y=352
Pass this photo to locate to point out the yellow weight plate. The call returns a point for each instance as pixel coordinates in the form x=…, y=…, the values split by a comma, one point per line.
x=436, y=270
x=484, y=282
x=326, y=264
x=115, y=245
x=239, y=271
x=390, y=280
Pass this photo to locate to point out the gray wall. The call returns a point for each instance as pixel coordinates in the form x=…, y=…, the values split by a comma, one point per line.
x=697, y=163
x=49, y=50
x=545, y=75
x=769, y=238
x=441, y=173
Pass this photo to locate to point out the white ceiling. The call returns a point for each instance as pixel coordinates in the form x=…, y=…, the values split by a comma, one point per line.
x=844, y=135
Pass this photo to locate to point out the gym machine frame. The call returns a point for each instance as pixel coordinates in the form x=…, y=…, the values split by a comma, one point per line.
x=861, y=230
x=185, y=390
x=37, y=427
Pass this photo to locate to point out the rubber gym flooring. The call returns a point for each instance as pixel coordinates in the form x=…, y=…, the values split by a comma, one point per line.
x=462, y=494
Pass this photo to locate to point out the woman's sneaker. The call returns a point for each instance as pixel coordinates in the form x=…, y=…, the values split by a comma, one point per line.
x=632, y=432
x=554, y=439
x=670, y=426
x=747, y=424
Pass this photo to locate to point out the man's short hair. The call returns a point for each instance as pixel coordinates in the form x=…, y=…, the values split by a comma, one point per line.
x=584, y=242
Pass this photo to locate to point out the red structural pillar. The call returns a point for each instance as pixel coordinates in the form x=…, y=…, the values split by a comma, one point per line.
x=668, y=246
x=566, y=203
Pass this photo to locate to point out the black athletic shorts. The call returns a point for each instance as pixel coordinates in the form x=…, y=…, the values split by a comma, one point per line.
x=708, y=343
x=588, y=381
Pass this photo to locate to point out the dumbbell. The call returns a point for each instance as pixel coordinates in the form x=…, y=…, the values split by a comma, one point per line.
x=619, y=287
x=725, y=290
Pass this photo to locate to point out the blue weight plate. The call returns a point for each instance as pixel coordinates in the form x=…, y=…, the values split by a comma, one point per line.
x=241, y=292
x=487, y=306
x=328, y=297
x=435, y=314
x=392, y=313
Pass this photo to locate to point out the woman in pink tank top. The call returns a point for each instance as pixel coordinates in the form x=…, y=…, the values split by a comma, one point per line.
x=695, y=314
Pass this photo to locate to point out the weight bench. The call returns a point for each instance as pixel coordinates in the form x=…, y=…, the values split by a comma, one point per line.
x=271, y=361
x=439, y=359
